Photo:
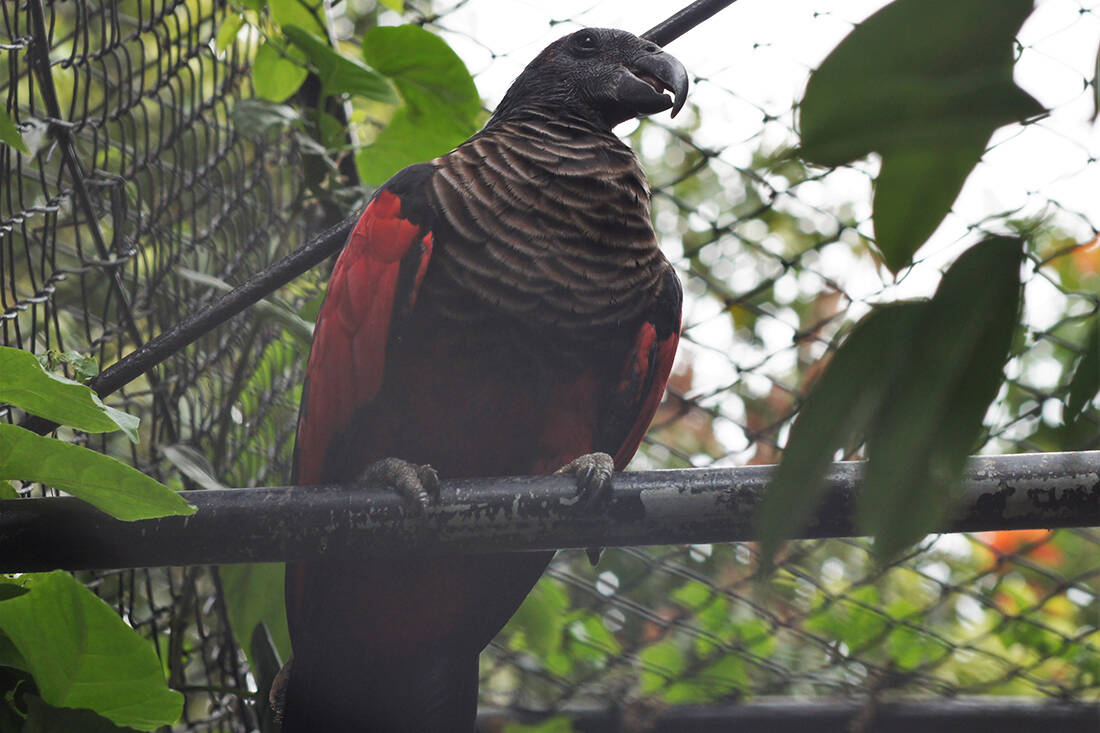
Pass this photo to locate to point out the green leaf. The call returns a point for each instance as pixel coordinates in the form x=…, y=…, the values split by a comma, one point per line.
x=45, y=718
x=82, y=655
x=836, y=414
x=397, y=6
x=924, y=83
x=910, y=648
x=851, y=619
x=921, y=438
x=298, y=13
x=276, y=75
x=593, y=640
x=662, y=662
x=913, y=193
x=11, y=590
x=258, y=116
x=541, y=619
x=29, y=387
x=85, y=367
x=715, y=681
x=339, y=74
x=227, y=32
x=9, y=133
x=1086, y=378
x=10, y=656
x=441, y=101
x=253, y=594
x=914, y=380
x=106, y=483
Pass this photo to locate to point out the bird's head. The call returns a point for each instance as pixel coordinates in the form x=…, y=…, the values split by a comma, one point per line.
x=604, y=75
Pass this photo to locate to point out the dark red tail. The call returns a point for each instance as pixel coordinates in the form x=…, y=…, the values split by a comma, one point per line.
x=344, y=693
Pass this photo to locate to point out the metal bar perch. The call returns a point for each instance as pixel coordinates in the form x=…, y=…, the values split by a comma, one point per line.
x=1041, y=490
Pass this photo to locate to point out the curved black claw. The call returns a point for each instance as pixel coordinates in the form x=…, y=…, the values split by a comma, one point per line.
x=593, y=474
x=417, y=484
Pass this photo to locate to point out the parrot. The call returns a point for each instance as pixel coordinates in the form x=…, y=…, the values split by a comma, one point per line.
x=501, y=310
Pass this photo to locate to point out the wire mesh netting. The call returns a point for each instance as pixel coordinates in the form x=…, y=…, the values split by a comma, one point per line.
x=154, y=185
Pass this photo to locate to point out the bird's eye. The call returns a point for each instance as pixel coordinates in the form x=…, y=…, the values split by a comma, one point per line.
x=586, y=41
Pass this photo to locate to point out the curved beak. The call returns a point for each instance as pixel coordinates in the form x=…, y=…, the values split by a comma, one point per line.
x=664, y=72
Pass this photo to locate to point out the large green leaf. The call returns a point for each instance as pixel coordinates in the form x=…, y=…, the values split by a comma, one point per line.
x=837, y=414
x=45, y=718
x=913, y=193
x=30, y=387
x=301, y=13
x=441, y=103
x=227, y=31
x=253, y=594
x=82, y=655
x=919, y=442
x=339, y=74
x=913, y=380
x=924, y=83
x=277, y=73
x=106, y=483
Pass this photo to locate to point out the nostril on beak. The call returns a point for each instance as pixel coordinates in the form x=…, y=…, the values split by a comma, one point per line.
x=652, y=48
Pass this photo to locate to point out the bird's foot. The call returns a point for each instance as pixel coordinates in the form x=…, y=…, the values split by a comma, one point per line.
x=593, y=474
x=418, y=485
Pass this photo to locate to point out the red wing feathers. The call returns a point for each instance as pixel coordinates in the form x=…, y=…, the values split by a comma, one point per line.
x=348, y=357
x=643, y=383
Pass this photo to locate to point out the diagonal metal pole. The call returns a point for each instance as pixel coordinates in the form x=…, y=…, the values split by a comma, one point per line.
x=688, y=506
x=684, y=20
x=309, y=255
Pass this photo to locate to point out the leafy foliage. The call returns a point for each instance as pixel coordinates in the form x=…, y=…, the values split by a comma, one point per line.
x=101, y=480
x=82, y=655
x=340, y=74
x=913, y=381
x=441, y=104
x=253, y=595
x=30, y=387
x=924, y=83
x=277, y=73
x=104, y=482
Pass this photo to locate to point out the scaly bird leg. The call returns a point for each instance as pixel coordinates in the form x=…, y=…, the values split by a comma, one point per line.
x=593, y=474
x=417, y=484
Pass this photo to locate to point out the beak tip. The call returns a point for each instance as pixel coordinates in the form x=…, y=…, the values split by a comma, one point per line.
x=678, y=104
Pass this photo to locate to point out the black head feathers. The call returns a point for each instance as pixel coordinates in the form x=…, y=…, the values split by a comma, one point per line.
x=603, y=75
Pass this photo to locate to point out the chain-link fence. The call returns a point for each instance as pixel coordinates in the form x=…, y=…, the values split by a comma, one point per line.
x=153, y=186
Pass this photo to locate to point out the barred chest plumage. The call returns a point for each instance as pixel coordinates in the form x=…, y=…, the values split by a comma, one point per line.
x=547, y=223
